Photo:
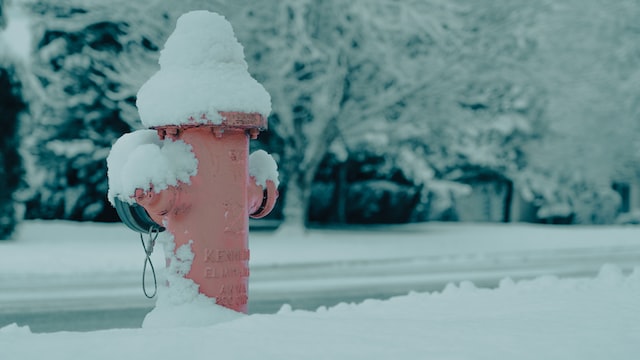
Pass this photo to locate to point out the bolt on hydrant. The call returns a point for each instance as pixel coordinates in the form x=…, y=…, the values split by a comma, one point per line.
x=191, y=171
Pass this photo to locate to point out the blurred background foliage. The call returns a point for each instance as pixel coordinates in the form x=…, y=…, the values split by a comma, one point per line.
x=384, y=111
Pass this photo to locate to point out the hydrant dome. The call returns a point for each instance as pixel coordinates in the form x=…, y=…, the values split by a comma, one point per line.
x=202, y=73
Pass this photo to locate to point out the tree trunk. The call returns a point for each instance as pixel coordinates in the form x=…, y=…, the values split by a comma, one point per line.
x=340, y=195
x=295, y=211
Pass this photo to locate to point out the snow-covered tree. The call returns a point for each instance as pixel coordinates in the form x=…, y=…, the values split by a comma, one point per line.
x=463, y=106
x=440, y=90
x=587, y=57
x=88, y=62
x=337, y=71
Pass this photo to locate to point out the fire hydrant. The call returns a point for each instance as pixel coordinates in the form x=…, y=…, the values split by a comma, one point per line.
x=210, y=211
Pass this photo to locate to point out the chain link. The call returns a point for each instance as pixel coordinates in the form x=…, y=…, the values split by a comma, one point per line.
x=148, y=249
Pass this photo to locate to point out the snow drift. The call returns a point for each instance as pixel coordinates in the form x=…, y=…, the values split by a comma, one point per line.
x=546, y=318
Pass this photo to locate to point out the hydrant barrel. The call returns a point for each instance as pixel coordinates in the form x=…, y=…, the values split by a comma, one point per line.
x=211, y=214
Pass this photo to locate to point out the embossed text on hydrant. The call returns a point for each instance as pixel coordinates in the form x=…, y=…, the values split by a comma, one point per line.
x=224, y=255
x=226, y=263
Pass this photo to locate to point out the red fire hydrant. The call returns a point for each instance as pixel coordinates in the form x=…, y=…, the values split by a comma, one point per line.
x=205, y=101
x=212, y=212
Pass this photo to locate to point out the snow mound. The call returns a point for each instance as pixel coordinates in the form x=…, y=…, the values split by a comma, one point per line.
x=139, y=160
x=202, y=72
x=15, y=329
x=192, y=311
x=179, y=303
x=544, y=318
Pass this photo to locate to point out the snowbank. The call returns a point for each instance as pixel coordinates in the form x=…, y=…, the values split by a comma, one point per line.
x=546, y=318
x=202, y=72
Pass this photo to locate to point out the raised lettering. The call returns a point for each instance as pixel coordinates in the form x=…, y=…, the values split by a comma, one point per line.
x=230, y=289
x=211, y=272
x=235, y=271
x=226, y=255
x=236, y=155
x=208, y=255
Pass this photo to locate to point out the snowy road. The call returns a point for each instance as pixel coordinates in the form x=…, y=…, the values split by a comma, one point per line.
x=51, y=303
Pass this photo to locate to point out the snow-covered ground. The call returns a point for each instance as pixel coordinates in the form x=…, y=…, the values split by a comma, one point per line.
x=549, y=317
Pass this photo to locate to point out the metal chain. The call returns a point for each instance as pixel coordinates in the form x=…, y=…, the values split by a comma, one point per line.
x=148, y=249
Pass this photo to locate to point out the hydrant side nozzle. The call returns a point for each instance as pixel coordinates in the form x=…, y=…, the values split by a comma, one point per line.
x=261, y=207
x=136, y=218
x=157, y=204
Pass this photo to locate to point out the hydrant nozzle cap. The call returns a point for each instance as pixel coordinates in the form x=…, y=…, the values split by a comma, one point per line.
x=202, y=73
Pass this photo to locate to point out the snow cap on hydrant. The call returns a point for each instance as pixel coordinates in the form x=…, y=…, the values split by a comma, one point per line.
x=192, y=173
x=202, y=58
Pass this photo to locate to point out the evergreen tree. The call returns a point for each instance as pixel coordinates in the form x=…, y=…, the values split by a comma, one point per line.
x=90, y=59
x=10, y=163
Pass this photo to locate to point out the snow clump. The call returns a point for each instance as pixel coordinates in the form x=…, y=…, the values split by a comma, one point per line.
x=202, y=72
x=263, y=167
x=140, y=160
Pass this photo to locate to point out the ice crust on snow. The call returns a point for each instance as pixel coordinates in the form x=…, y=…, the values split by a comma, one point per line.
x=263, y=167
x=202, y=72
x=139, y=160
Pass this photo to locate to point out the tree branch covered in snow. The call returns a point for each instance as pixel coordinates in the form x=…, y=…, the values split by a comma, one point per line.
x=539, y=94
